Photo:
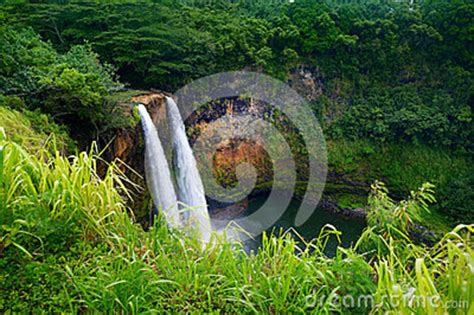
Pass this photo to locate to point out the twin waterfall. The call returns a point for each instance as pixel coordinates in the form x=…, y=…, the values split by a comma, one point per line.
x=187, y=208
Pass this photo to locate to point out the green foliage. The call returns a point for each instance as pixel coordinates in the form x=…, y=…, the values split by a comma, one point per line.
x=49, y=206
x=32, y=130
x=72, y=87
x=405, y=165
x=37, y=286
x=24, y=58
x=411, y=114
x=67, y=245
x=406, y=67
x=457, y=197
x=50, y=187
x=11, y=101
x=392, y=78
x=412, y=278
x=86, y=61
x=66, y=91
x=390, y=218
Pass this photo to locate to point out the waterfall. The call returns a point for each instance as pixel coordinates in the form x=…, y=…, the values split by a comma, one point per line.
x=157, y=171
x=193, y=212
x=189, y=183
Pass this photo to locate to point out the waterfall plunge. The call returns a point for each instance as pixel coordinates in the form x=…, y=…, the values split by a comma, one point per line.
x=189, y=184
x=157, y=171
x=190, y=187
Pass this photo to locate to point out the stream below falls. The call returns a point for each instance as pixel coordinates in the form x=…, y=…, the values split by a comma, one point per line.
x=351, y=228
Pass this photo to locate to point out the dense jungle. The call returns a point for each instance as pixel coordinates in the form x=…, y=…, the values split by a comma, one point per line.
x=390, y=83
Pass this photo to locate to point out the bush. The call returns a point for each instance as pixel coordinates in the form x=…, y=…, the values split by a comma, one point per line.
x=33, y=130
x=67, y=244
x=25, y=59
x=71, y=87
x=409, y=114
x=457, y=197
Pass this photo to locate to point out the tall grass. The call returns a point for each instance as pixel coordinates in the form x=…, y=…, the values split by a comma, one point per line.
x=69, y=244
x=33, y=130
x=435, y=281
x=413, y=278
x=62, y=188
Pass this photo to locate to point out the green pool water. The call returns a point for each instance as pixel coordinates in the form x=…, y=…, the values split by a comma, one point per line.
x=351, y=228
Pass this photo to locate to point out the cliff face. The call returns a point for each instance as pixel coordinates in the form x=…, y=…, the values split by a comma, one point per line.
x=229, y=152
x=204, y=123
x=246, y=131
x=127, y=143
x=233, y=143
x=128, y=146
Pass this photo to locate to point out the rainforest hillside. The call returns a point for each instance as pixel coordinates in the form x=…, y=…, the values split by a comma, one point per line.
x=390, y=82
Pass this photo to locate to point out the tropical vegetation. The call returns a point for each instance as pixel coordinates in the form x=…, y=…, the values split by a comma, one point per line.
x=390, y=81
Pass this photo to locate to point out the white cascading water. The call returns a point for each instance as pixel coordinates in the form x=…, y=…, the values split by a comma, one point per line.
x=157, y=172
x=190, y=187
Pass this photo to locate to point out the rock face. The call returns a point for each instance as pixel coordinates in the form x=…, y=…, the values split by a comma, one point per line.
x=307, y=81
x=122, y=145
x=229, y=212
x=229, y=153
x=239, y=131
x=127, y=144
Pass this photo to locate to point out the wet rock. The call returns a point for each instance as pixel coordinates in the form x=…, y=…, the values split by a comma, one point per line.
x=229, y=212
x=333, y=207
x=359, y=213
x=329, y=206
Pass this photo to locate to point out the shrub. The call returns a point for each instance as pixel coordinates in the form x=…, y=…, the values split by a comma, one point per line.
x=457, y=197
x=67, y=244
x=33, y=130
x=71, y=87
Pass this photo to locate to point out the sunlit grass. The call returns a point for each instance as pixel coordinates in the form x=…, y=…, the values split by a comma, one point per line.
x=69, y=244
x=32, y=130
